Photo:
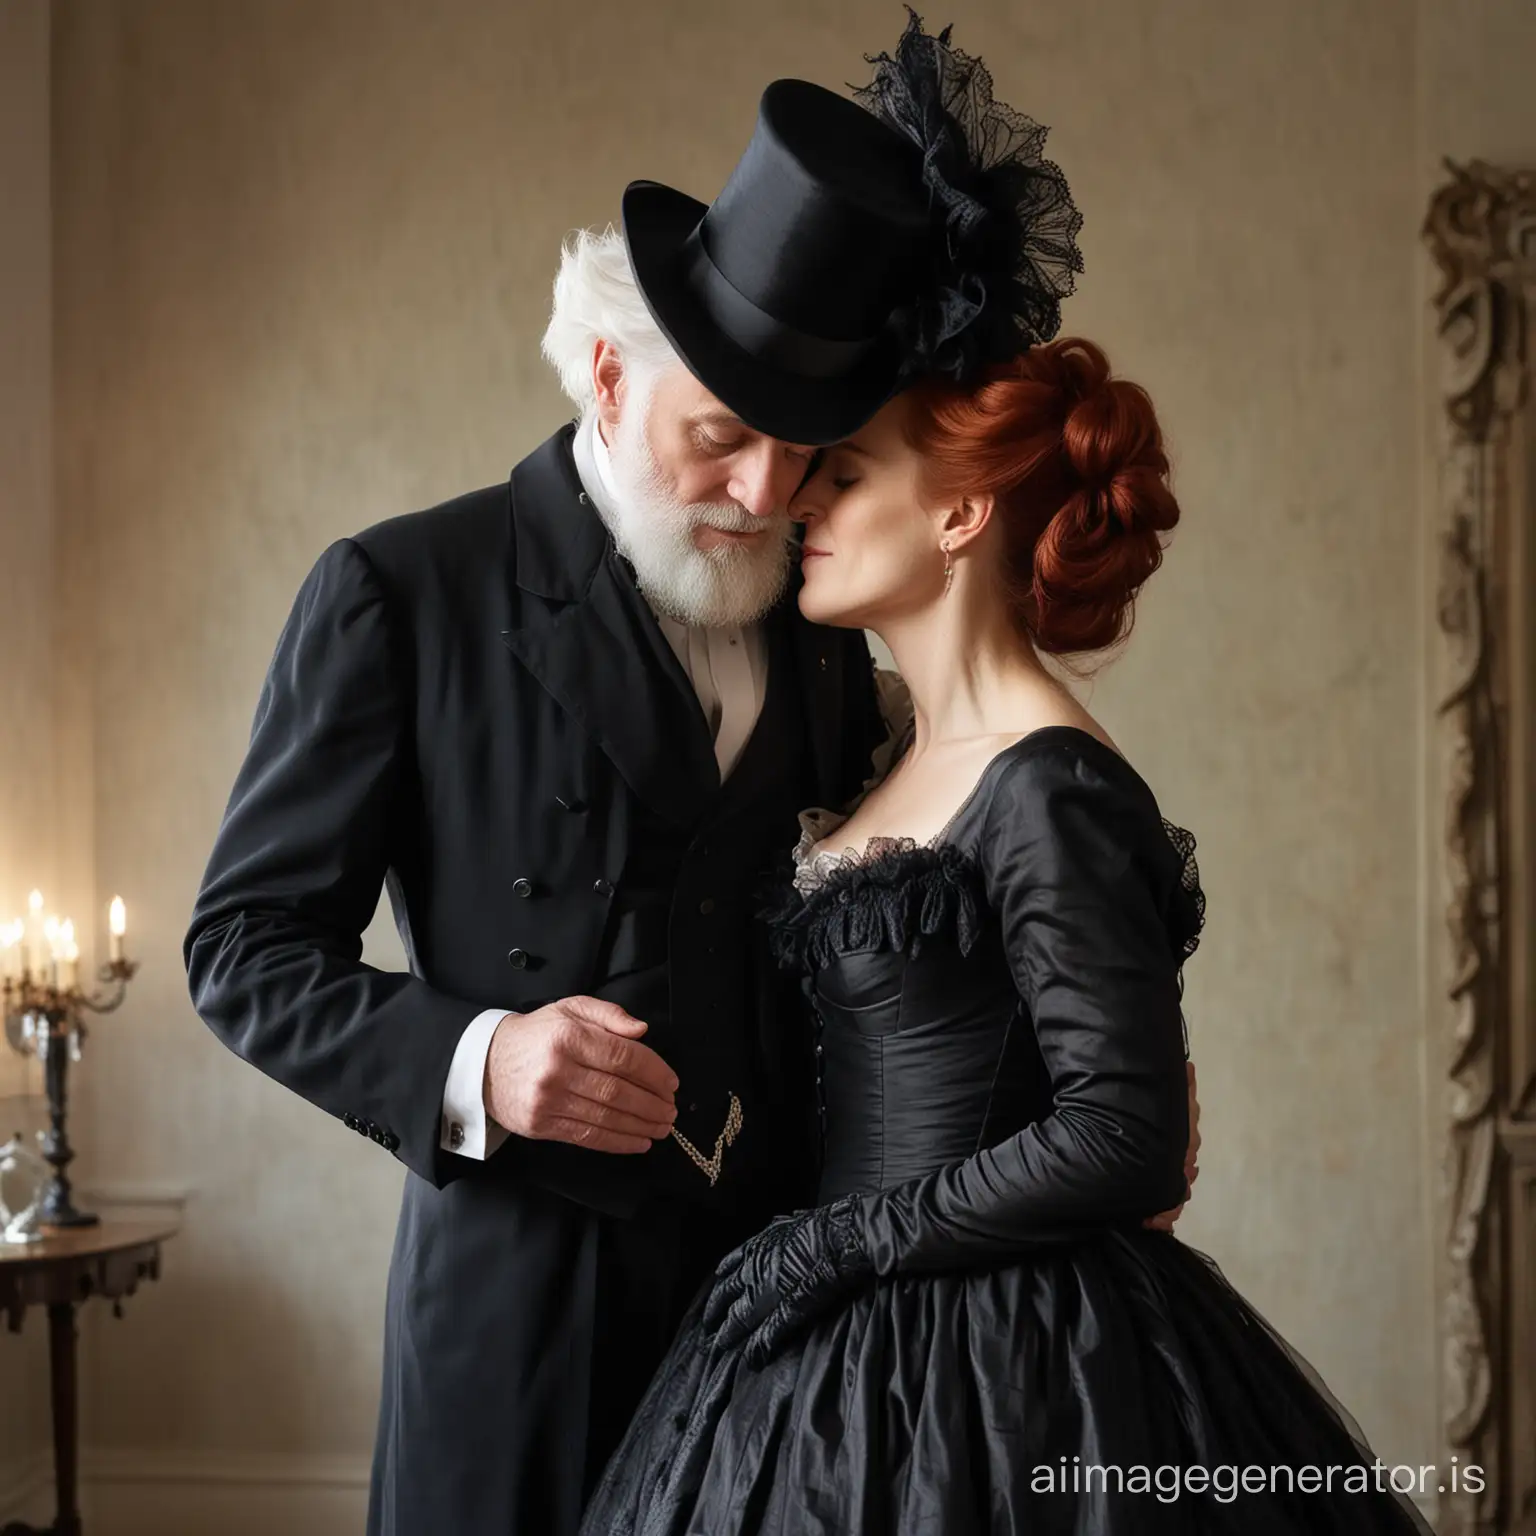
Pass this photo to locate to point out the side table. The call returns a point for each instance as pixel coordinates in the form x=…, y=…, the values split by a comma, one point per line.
x=68, y=1267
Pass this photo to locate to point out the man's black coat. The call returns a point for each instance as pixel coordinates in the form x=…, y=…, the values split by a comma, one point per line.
x=474, y=705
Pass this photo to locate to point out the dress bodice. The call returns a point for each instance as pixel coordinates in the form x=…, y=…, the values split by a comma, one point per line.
x=926, y=1050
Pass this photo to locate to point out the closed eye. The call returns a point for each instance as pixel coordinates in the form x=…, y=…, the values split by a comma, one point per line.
x=707, y=442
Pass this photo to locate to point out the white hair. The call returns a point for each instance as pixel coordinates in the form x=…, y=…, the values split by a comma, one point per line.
x=596, y=298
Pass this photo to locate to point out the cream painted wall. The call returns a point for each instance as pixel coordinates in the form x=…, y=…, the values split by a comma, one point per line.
x=26, y=578
x=303, y=256
x=26, y=515
x=1475, y=71
x=26, y=561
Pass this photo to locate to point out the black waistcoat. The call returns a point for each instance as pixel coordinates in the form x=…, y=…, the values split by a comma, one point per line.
x=685, y=951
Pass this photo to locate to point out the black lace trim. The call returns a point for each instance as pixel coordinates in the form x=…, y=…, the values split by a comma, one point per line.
x=893, y=900
x=1193, y=904
x=899, y=892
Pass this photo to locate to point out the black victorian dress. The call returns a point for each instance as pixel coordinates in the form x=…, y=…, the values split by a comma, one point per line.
x=973, y=1331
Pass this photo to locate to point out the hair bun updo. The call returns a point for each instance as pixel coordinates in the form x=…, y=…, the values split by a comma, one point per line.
x=1074, y=460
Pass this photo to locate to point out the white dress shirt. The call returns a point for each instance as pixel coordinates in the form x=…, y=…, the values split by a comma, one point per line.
x=728, y=667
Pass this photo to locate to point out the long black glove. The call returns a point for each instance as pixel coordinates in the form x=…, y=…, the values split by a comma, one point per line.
x=1087, y=887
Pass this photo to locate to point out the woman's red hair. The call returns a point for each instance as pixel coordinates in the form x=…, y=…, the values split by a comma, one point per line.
x=1074, y=461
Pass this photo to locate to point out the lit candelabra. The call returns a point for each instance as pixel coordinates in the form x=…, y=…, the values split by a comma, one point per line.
x=45, y=1010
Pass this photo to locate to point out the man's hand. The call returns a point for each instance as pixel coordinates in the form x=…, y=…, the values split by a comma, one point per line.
x=1164, y=1223
x=575, y=1071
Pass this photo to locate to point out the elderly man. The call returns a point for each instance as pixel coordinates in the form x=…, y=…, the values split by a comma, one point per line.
x=569, y=720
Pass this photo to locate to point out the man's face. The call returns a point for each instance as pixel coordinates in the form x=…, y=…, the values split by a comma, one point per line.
x=703, y=498
x=706, y=454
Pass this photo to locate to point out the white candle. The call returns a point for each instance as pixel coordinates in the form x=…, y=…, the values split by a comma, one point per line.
x=69, y=957
x=32, y=955
x=10, y=947
x=51, y=939
x=117, y=923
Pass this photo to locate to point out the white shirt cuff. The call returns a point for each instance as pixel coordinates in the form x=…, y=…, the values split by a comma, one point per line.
x=466, y=1128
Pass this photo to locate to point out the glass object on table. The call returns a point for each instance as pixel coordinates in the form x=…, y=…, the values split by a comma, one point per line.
x=23, y=1177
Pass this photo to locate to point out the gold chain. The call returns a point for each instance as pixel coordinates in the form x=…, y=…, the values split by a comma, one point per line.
x=710, y=1166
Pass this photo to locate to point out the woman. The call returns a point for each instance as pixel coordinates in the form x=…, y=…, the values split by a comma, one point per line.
x=973, y=1331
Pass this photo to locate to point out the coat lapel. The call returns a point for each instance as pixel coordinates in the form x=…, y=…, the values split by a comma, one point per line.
x=587, y=635
x=818, y=657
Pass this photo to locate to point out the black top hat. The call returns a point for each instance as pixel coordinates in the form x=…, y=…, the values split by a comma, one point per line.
x=781, y=296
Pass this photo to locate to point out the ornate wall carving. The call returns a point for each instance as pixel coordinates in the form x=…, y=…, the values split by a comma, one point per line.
x=1481, y=230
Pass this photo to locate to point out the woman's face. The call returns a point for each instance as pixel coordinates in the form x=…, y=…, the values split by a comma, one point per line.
x=871, y=542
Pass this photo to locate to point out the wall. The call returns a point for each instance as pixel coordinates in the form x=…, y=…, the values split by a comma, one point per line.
x=26, y=640
x=304, y=249
x=1476, y=100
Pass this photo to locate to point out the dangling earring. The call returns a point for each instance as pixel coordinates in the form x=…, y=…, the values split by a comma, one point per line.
x=949, y=568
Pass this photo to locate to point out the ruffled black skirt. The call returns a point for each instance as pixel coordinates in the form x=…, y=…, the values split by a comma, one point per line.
x=1118, y=1386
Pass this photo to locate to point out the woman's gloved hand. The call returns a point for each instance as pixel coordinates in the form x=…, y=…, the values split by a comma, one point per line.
x=786, y=1277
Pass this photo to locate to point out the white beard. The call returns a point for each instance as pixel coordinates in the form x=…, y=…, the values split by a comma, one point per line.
x=729, y=585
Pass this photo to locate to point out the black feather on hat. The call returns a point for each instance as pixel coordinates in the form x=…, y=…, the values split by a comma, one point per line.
x=1002, y=252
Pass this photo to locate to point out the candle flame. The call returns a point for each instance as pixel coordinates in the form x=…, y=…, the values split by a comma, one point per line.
x=117, y=916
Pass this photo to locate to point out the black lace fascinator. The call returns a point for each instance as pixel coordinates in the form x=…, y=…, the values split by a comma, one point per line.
x=1002, y=252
